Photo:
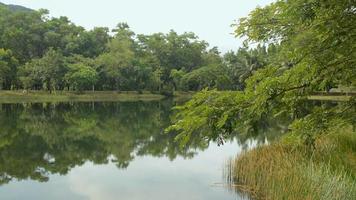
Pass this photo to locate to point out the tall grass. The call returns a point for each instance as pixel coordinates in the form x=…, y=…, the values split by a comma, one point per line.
x=287, y=171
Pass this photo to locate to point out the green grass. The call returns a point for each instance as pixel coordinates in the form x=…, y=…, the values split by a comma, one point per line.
x=65, y=96
x=329, y=98
x=294, y=172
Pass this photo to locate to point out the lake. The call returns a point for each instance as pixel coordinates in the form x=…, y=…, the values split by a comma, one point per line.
x=107, y=150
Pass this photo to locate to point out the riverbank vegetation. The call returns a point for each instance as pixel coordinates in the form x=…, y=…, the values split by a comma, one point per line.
x=315, y=51
x=92, y=96
x=38, y=52
x=289, y=170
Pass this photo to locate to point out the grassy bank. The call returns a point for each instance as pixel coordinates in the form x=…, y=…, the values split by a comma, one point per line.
x=330, y=97
x=292, y=171
x=90, y=96
x=65, y=96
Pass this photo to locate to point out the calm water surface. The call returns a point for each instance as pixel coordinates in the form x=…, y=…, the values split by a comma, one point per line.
x=108, y=151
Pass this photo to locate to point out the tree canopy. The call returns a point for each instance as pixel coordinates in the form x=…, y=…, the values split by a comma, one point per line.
x=44, y=52
x=311, y=48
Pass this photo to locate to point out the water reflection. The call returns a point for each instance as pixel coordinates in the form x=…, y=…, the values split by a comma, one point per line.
x=73, y=149
x=38, y=139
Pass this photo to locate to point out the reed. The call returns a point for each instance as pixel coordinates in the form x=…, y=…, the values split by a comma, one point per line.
x=292, y=171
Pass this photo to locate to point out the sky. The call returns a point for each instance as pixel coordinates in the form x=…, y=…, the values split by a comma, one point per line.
x=210, y=19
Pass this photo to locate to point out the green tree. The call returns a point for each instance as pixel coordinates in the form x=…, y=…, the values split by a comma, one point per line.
x=316, y=49
x=176, y=76
x=120, y=55
x=212, y=57
x=48, y=70
x=242, y=64
x=8, y=69
x=30, y=75
x=92, y=43
x=124, y=61
x=21, y=33
x=174, y=52
x=62, y=35
x=213, y=76
x=81, y=76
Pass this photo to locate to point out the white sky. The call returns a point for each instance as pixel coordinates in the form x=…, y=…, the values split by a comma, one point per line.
x=209, y=19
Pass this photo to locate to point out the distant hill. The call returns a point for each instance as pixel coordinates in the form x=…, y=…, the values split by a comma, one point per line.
x=16, y=7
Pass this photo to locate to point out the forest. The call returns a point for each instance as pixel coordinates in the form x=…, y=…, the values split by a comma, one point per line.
x=38, y=52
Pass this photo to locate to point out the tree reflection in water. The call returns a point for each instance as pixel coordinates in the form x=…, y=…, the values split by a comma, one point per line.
x=39, y=139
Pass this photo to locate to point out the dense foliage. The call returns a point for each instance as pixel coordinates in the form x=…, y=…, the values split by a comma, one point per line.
x=42, y=53
x=312, y=48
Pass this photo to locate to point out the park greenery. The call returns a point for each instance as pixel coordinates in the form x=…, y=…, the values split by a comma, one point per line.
x=38, y=52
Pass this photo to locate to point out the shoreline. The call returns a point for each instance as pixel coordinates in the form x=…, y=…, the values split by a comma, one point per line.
x=18, y=96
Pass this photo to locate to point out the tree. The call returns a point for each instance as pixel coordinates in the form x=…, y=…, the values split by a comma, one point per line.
x=92, y=43
x=8, y=69
x=242, y=64
x=174, y=52
x=124, y=61
x=212, y=57
x=120, y=55
x=30, y=75
x=316, y=48
x=213, y=76
x=62, y=35
x=81, y=77
x=21, y=33
x=48, y=71
x=176, y=76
